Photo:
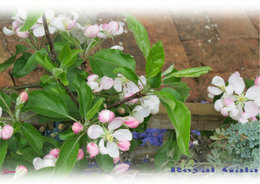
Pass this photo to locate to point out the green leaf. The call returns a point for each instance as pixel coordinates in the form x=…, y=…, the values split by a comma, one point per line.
x=168, y=70
x=60, y=74
x=106, y=60
x=20, y=49
x=52, y=141
x=140, y=34
x=155, y=82
x=105, y=162
x=66, y=134
x=191, y=72
x=180, y=87
x=47, y=104
x=129, y=74
x=3, y=151
x=95, y=108
x=44, y=61
x=33, y=137
x=84, y=95
x=17, y=71
x=67, y=157
x=30, y=20
x=155, y=60
x=67, y=56
x=7, y=63
x=180, y=116
x=177, y=95
x=7, y=100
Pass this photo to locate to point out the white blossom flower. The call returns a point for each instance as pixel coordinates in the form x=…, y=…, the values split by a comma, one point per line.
x=110, y=136
x=47, y=161
x=97, y=84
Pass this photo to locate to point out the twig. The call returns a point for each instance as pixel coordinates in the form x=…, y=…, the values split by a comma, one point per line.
x=32, y=85
x=53, y=55
x=48, y=37
x=136, y=95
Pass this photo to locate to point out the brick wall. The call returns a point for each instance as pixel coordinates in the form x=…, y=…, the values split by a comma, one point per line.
x=226, y=42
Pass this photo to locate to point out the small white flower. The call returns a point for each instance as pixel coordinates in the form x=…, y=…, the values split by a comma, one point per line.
x=47, y=161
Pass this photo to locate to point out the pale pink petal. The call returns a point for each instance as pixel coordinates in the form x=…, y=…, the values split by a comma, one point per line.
x=117, y=85
x=113, y=150
x=123, y=135
x=37, y=163
x=251, y=108
x=102, y=149
x=214, y=90
x=237, y=83
x=229, y=90
x=121, y=169
x=95, y=131
x=115, y=123
x=8, y=32
x=106, y=82
x=253, y=92
x=218, y=81
x=218, y=105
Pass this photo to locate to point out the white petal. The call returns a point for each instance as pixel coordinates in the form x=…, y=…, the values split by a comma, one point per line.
x=251, y=108
x=49, y=14
x=48, y=163
x=117, y=47
x=131, y=88
x=38, y=32
x=106, y=82
x=8, y=32
x=237, y=82
x=123, y=135
x=57, y=22
x=113, y=150
x=218, y=105
x=116, y=123
x=93, y=85
x=236, y=113
x=142, y=111
x=52, y=29
x=38, y=163
x=117, y=85
x=1, y=111
x=218, y=81
x=214, y=90
x=257, y=102
x=253, y=92
x=229, y=90
x=102, y=149
x=95, y=131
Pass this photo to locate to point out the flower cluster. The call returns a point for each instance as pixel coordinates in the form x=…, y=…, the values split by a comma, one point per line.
x=62, y=22
x=234, y=102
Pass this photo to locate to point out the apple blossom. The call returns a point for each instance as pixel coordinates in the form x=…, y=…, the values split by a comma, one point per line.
x=92, y=149
x=80, y=154
x=133, y=101
x=55, y=152
x=20, y=171
x=77, y=127
x=91, y=31
x=131, y=122
x=124, y=145
x=97, y=84
x=106, y=116
x=47, y=161
x=7, y=132
x=23, y=97
x=111, y=135
x=120, y=169
x=151, y=102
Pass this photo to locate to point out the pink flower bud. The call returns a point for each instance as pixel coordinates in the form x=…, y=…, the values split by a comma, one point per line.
x=131, y=122
x=116, y=159
x=257, y=81
x=91, y=31
x=92, y=149
x=7, y=132
x=120, y=169
x=20, y=171
x=80, y=155
x=228, y=101
x=23, y=96
x=55, y=152
x=92, y=77
x=106, y=116
x=124, y=145
x=77, y=127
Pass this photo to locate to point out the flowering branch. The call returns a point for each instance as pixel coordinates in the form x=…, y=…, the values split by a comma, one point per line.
x=136, y=95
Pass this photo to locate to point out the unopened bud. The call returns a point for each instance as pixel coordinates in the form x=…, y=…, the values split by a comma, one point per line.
x=77, y=127
x=121, y=110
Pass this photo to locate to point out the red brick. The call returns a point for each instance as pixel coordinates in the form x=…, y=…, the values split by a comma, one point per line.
x=194, y=26
x=30, y=78
x=234, y=25
x=224, y=55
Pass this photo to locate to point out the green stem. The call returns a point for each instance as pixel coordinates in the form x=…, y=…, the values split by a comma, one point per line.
x=31, y=44
x=5, y=119
x=8, y=108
